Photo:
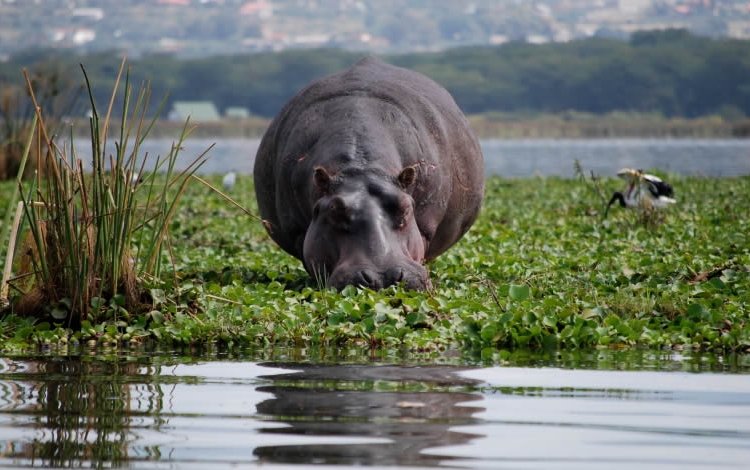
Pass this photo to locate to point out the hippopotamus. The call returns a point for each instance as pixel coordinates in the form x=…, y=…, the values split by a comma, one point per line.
x=367, y=174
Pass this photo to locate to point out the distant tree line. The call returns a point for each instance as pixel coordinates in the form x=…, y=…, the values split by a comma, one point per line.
x=669, y=72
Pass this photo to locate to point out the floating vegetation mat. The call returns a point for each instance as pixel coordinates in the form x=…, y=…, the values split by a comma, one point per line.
x=541, y=268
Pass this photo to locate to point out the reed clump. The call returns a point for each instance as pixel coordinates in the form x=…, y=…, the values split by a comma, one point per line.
x=96, y=234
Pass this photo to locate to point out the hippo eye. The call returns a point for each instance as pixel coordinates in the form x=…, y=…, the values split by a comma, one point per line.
x=400, y=217
x=397, y=209
x=391, y=204
x=339, y=214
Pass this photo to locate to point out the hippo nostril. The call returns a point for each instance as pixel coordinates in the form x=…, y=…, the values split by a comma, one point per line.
x=394, y=276
x=411, y=277
x=367, y=278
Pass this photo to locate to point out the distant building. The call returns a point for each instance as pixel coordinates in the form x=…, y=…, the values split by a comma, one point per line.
x=739, y=29
x=537, y=39
x=95, y=14
x=261, y=8
x=199, y=111
x=497, y=39
x=82, y=36
x=309, y=39
x=634, y=7
x=237, y=112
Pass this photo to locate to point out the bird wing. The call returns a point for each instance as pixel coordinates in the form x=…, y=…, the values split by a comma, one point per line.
x=651, y=187
x=659, y=188
x=651, y=178
x=628, y=174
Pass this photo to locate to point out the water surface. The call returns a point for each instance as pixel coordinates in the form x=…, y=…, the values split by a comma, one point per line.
x=532, y=157
x=595, y=410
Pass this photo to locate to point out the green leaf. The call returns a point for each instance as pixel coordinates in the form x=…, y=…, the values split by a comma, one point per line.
x=695, y=311
x=589, y=313
x=488, y=333
x=349, y=291
x=337, y=318
x=118, y=300
x=158, y=296
x=59, y=313
x=156, y=316
x=519, y=292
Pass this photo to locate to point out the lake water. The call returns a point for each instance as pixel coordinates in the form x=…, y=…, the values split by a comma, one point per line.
x=543, y=157
x=561, y=410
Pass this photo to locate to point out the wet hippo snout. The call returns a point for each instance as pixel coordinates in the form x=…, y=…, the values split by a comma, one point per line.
x=412, y=277
x=368, y=278
x=394, y=275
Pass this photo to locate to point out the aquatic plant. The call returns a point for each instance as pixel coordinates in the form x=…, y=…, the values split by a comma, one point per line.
x=533, y=272
x=94, y=237
x=55, y=92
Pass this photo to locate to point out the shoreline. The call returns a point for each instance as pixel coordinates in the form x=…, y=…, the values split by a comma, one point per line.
x=615, y=126
x=506, y=126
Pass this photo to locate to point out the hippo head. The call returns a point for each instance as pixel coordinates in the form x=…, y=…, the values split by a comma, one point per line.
x=363, y=231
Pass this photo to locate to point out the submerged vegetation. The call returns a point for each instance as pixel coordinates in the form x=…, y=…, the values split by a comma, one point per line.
x=539, y=269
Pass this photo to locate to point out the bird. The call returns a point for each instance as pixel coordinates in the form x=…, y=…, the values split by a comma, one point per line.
x=229, y=180
x=643, y=190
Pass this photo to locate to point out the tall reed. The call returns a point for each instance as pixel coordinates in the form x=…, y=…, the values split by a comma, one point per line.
x=95, y=237
x=55, y=91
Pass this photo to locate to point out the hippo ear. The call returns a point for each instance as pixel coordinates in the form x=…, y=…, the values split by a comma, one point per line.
x=407, y=177
x=322, y=180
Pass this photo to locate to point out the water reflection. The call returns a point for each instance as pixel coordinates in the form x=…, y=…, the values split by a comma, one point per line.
x=538, y=410
x=70, y=410
x=619, y=360
x=412, y=408
x=80, y=411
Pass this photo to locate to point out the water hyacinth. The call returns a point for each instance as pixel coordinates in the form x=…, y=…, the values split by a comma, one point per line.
x=532, y=273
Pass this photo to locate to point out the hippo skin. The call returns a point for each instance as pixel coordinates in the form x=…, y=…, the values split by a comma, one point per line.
x=367, y=174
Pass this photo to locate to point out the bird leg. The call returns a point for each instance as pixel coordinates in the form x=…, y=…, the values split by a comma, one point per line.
x=617, y=196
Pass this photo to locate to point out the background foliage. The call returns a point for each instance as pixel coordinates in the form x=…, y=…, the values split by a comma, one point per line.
x=669, y=72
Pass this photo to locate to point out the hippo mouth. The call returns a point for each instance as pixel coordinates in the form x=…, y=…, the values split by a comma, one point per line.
x=412, y=276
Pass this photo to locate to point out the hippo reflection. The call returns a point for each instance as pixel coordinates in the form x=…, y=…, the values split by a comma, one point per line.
x=367, y=174
x=411, y=421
